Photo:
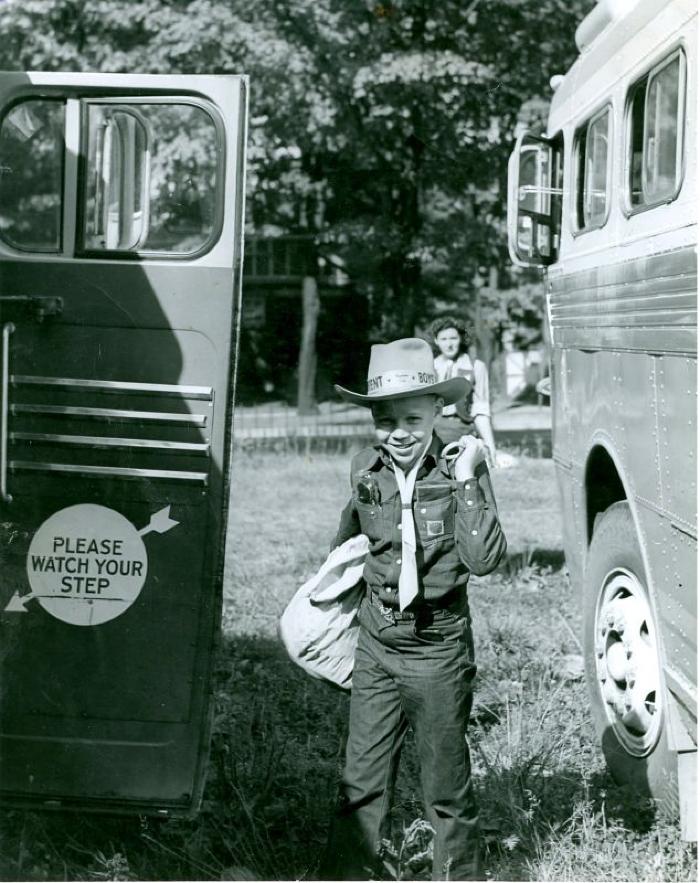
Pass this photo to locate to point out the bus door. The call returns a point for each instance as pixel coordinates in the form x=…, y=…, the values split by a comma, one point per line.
x=121, y=212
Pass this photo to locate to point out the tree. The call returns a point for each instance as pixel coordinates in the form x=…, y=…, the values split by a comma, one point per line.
x=383, y=128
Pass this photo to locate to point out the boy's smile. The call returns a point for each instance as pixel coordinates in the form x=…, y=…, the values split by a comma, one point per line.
x=403, y=427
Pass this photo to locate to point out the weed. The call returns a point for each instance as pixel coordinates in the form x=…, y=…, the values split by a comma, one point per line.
x=549, y=808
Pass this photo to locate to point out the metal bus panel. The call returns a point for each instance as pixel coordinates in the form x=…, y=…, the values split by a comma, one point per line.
x=118, y=402
x=676, y=392
x=622, y=316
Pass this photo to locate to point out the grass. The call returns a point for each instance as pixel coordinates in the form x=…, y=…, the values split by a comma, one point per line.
x=550, y=811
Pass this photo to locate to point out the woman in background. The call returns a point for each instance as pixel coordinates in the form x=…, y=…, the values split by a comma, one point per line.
x=472, y=415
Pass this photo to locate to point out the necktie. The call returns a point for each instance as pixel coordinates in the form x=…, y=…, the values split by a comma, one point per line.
x=408, y=578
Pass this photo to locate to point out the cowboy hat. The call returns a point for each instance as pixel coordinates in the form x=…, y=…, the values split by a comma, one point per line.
x=404, y=368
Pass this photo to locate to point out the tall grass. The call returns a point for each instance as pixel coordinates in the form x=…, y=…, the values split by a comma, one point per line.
x=549, y=809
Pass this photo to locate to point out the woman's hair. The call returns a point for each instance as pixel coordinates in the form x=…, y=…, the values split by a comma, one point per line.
x=464, y=330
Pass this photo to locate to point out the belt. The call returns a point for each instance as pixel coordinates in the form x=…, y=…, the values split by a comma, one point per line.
x=393, y=614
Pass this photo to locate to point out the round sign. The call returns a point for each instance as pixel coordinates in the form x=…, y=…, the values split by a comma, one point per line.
x=86, y=564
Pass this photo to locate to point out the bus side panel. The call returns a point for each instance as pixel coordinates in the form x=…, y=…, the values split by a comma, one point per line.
x=673, y=574
x=676, y=394
x=638, y=438
x=609, y=400
x=569, y=486
x=658, y=471
x=676, y=582
x=631, y=404
x=568, y=478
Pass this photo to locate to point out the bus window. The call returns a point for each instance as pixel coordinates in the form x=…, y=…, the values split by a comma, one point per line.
x=592, y=143
x=117, y=181
x=655, y=134
x=31, y=174
x=151, y=178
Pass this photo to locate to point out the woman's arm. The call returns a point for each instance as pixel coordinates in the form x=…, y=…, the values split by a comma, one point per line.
x=481, y=408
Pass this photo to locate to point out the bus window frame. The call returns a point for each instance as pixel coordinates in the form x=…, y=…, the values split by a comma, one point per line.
x=580, y=136
x=677, y=50
x=23, y=99
x=81, y=193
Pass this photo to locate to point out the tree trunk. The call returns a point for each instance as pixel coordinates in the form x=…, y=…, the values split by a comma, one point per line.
x=310, y=306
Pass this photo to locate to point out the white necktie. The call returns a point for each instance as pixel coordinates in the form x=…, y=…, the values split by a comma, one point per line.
x=408, y=578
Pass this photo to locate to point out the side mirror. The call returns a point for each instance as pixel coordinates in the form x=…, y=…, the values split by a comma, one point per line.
x=121, y=182
x=534, y=201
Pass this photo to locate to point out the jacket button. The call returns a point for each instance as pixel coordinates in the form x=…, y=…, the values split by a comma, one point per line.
x=398, y=560
x=473, y=533
x=423, y=511
x=399, y=526
x=470, y=502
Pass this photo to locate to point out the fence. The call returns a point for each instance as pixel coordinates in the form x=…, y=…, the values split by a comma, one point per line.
x=339, y=426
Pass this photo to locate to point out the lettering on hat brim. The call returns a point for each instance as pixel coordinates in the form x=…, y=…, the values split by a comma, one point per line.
x=399, y=381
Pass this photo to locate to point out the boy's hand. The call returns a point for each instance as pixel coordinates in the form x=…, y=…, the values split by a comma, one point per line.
x=468, y=452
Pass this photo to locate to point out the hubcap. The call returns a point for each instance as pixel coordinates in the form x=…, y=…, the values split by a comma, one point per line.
x=627, y=662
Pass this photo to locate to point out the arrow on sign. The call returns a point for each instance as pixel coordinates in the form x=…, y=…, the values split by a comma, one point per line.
x=160, y=522
x=17, y=603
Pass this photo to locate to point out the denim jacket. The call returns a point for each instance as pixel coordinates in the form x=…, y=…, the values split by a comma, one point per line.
x=457, y=527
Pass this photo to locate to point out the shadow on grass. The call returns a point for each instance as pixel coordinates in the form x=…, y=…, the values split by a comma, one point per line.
x=271, y=787
x=552, y=559
x=527, y=809
x=272, y=782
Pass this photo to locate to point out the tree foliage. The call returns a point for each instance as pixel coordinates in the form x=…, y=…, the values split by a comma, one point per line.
x=382, y=128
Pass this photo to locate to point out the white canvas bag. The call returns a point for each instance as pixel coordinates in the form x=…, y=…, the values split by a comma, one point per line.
x=319, y=626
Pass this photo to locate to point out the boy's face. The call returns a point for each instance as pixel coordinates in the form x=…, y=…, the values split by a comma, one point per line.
x=403, y=426
x=448, y=342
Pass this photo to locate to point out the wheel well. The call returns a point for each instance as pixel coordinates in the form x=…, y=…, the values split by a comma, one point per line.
x=603, y=486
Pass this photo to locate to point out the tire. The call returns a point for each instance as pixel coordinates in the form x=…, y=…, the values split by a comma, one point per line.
x=623, y=662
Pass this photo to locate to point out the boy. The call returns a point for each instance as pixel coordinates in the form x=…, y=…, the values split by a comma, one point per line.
x=429, y=525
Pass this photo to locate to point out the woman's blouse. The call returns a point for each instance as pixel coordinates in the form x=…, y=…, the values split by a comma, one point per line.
x=463, y=366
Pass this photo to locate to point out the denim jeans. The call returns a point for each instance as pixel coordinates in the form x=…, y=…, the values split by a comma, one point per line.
x=419, y=676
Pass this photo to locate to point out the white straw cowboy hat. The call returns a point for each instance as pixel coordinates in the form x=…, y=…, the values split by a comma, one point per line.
x=404, y=368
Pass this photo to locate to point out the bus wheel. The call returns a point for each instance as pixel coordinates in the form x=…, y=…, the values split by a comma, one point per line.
x=623, y=663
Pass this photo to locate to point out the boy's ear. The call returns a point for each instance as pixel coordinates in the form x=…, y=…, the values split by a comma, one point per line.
x=439, y=405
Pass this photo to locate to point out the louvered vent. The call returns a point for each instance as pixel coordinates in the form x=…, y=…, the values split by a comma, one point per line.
x=110, y=429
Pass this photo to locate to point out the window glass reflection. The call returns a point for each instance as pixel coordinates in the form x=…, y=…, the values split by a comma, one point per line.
x=31, y=175
x=152, y=178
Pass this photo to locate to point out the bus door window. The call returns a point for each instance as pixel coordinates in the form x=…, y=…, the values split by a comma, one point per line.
x=655, y=134
x=31, y=175
x=152, y=182
x=592, y=154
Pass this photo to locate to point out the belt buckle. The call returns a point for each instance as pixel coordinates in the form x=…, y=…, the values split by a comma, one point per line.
x=386, y=612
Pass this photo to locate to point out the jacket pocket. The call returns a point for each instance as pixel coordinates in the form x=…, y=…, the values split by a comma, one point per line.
x=370, y=515
x=435, y=520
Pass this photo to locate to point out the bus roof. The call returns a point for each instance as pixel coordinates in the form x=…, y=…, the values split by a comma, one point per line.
x=603, y=34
